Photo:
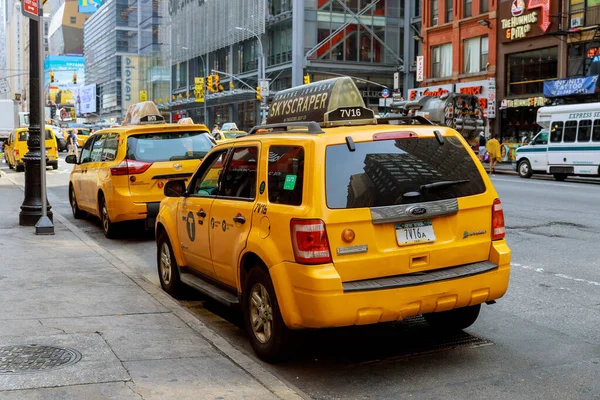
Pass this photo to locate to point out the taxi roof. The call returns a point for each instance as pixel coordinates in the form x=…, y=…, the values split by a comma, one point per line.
x=149, y=128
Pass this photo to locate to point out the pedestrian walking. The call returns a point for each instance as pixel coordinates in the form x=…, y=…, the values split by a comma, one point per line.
x=216, y=132
x=493, y=148
x=482, y=147
x=73, y=143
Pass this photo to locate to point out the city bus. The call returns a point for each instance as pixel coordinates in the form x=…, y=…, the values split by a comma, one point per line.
x=568, y=144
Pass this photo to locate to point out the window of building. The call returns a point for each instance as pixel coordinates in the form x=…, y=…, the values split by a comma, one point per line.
x=556, y=132
x=484, y=6
x=434, y=12
x=527, y=71
x=441, y=60
x=73, y=20
x=286, y=174
x=468, y=8
x=449, y=10
x=577, y=14
x=584, y=133
x=476, y=54
x=584, y=58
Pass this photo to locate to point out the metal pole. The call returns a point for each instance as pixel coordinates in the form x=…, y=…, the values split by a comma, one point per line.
x=205, y=88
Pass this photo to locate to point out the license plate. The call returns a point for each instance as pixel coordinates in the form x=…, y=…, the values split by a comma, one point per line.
x=415, y=232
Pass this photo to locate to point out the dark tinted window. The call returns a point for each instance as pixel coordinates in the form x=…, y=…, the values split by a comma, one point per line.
x=110, y=147
x=596, y=131
x=85, y=153
x=286, y=174
x=570, y=131
x=24, y=136
x=206, y=181
x=239, y=179
x=390, y=172
x=585, y=130
x=556, y=132
x=168, y=146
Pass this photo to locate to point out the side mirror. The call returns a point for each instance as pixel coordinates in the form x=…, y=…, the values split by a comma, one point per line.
x=71, y=159
x=175, y=188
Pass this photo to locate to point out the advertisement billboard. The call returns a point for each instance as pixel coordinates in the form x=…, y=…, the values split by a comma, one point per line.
x=89, y=6
x=62, y=74
x=85, y=99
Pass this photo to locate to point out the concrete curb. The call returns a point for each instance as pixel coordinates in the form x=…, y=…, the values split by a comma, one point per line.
x=264, y=377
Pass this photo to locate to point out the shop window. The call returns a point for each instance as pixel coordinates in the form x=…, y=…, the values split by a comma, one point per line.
x=584, y=58
x=596, y=131
x=449, y=10
x=286, y=174
x=484, y=6
x=468, y=8
x=441, y=60
x=526, y=72
x=476, y=54
x=570, y=132
x=556, y=132
x=434, y=13
x=584, y=133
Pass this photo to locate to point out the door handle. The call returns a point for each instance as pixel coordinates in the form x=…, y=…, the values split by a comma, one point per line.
x=240, y=219
x=201, y=213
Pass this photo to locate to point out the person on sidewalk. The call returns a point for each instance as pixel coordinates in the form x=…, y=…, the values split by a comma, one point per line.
x=216, y=132
x=482, y=146
x=73, y=143
x=493, y=148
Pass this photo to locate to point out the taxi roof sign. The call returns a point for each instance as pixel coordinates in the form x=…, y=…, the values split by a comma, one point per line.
x=330, y=102
x=186, y=121
x=142, y=113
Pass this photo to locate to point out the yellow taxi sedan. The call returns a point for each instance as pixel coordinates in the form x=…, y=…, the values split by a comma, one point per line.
x=225, y=136
x=121, y=171
x=16, y=148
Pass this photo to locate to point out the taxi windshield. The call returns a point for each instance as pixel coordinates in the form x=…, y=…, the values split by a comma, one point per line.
x=403, y=171
x=168, y=146
x=24, y=136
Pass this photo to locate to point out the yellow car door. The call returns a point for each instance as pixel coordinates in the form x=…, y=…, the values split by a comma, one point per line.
x=80, y=181
x=194, y=218
x=232, y=211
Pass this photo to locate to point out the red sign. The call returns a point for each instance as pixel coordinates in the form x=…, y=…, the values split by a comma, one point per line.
x=31, y=9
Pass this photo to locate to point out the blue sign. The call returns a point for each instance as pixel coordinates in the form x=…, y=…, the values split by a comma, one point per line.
x=567, y=87
x=89, y=6
x=385, y=93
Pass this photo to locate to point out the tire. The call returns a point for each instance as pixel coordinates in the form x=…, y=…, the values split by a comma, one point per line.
x=272, y=344
x=453, y=320
x=108, y=227
x=77, y=213
x=168, y=270
x=560, y=177
x=524, y=169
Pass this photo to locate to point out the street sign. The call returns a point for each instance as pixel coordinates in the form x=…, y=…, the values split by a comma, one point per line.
x=4, y=86
x=31, y=9
x=264, y=87
x=420, y=68
x=143, y=95
x=396, y=80
x=385, y=93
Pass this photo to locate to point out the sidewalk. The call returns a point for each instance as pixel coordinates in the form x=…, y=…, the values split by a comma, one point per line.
x=134, y=341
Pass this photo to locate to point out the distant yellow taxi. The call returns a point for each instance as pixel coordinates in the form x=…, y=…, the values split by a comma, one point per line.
x=83, y=135
x=121, y=171
x=16, y=147
x=328, y=217
x=224, y=136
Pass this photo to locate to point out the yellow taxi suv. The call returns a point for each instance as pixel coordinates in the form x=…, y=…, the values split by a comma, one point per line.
x=121, y=171
x=16, y=148
x=328, y=217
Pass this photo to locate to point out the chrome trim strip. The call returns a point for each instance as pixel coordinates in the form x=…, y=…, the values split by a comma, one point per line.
x=401, y=213
x=420, y=278
x=361, y=248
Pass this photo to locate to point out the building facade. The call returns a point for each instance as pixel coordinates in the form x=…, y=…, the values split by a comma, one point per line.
x=320, y=39
x=65, y=34
x=459, y=45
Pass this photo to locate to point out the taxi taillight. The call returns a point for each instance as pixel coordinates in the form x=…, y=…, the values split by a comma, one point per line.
x=498, y=229
x=309, y=240
x=130, y=167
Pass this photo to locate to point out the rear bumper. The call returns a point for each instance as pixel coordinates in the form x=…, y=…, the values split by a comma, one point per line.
x=121, y=208
x=315, y=296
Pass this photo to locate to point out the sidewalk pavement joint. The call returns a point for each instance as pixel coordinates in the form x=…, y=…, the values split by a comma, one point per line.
x=264, y=377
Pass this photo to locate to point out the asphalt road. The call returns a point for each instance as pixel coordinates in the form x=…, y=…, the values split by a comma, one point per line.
x=541, y=341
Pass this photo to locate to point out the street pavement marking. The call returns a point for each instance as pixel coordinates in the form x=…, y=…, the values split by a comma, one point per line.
x=563, y=276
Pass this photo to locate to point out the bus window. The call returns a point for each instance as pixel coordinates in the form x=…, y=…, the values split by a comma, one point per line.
x=570, y=131
x=556, y=132
x=596, y=132
x=585, y=130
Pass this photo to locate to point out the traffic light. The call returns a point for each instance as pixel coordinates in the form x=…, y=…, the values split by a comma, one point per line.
x=74, y=79
x=306, y=79
x=51, y=77
x=217, y=83
x=209, y=83
x=231, y=85
x=258, y=96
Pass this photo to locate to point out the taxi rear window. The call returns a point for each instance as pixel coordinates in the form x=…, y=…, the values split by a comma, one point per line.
x=403, y=171
x=168, y=146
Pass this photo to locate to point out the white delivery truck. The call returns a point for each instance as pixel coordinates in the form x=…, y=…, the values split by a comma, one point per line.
x=9, y=118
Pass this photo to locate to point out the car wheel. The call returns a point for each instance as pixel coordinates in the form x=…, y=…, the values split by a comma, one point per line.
x=168, y=270
x=107, y=226
x=525, y=169
x=560, y=177
x=269, y=337
x=77, y=213
x=453, y=320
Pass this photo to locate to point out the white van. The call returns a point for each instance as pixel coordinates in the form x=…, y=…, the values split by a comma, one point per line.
x=569, y=144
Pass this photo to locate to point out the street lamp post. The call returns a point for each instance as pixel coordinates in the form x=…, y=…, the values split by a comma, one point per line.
x=261, y=70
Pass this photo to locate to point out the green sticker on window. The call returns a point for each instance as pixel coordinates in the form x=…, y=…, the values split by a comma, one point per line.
x=290, y=182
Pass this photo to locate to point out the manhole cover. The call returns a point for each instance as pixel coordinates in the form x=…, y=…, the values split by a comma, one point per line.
x=35, y=358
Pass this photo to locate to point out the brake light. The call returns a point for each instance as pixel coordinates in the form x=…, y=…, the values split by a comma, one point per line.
x=309, y=240
x=395, y=135
x=130, y=167
x=498, y=230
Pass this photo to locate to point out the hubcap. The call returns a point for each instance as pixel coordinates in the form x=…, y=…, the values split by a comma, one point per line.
x=73, y=201
x=105, y=220
x=165, y=264
x=261, y=313
x=524, y=169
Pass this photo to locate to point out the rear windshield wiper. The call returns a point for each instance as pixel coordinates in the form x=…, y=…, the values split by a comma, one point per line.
x=440, y=184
